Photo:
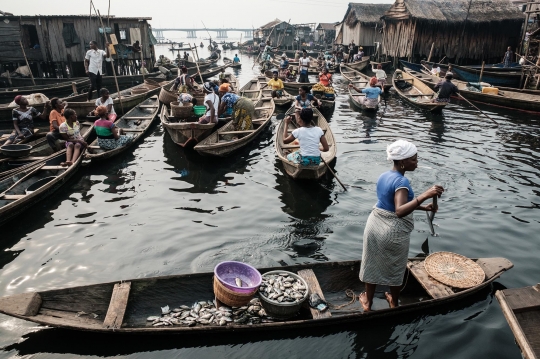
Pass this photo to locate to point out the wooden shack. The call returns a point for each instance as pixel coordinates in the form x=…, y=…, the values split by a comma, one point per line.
x=362, y=24
x=326, y=32
x=57, y=44
x=462, y=30
x=263, y=32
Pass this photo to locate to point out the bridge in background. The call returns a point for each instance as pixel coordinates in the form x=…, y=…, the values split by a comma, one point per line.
x=192, y=33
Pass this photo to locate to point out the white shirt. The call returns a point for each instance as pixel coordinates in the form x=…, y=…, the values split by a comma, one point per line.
x=95, y=59
x=106, y=103
x=380, y=74
x=213, y=98
x=309, y=138
x=304, y=63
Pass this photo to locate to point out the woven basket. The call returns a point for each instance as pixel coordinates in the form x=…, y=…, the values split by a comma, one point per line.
x=230, y=298
x=200, y=98
x=151, y=83
x=454, y=270
x=139, y=89
x=180, y=111
x=166, y=96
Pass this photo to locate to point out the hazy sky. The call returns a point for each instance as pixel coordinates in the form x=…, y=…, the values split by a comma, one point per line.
x=185, y=13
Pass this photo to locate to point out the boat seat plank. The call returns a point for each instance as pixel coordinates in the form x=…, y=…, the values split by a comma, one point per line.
x=12, y=197
x=53, y=168
x=494, y=266
x=309, y=276
x=26, y=304
x=94, y=147
x=132, y=129
x=434, y=288
x=137, y=118
x=262, y=108
x=148, y=106
x=117, y=306
x=236, y=132
x=522, y=299
x=250, y=91
x=417, y=94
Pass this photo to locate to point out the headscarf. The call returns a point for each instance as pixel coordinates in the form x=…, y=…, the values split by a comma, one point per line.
x=400, y=150
x=208, y=87
x=224, y=88
x=18, y=99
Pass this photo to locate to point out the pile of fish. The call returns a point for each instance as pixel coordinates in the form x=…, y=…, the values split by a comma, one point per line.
x=282, y=288
x=206, y=313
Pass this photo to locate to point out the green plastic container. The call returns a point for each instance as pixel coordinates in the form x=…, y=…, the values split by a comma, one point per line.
x=199, y=110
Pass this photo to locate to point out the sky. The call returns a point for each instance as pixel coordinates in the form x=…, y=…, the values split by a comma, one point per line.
x=214, y=13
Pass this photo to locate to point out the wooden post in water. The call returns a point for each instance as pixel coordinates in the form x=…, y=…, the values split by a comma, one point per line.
x=196, y=61
x=431, y=52
x=27, y=64
x=482, y=71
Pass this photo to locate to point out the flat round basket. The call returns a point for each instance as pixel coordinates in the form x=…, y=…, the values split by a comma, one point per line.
x=454, y=270
x=166, y=96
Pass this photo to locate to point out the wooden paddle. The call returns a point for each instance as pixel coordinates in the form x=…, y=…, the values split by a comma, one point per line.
x=482, y=112
x=332, y=172
x=431, y=215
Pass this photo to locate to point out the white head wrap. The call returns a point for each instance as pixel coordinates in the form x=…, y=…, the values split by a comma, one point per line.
x=400, y=150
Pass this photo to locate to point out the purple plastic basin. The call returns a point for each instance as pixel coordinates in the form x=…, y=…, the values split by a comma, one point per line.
x=227, y=272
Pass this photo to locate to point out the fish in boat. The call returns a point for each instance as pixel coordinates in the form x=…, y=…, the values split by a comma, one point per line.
x=136, y=123
x=125, y=307
x=293, y=169
x=218, y=145
x=185, y=132
x=416, y=92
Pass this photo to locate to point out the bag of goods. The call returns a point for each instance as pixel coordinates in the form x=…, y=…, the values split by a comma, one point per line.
x=33, y=99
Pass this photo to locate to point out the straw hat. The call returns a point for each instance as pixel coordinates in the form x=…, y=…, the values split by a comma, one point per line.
x=454, y=270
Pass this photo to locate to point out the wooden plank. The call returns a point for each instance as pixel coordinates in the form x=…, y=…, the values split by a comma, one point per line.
x=117, y=306
x=263, y=108
x=148, y=106
x=434, y=288
x=13, y=197
x=309, y=276
x=138, y=118
x=522, y=299
x=236, y=132
x=26, y=304
x=53, y=168
x=494, y=266
x=131, y=130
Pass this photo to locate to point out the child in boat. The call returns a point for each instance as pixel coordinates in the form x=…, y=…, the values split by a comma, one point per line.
x=71, y=133
x=309, y=137
x=109, y=136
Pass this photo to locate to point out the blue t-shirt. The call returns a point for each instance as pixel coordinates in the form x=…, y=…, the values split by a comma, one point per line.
x=387, y=185
x=372, y=92
x=284, y=64
x=307, y=102
x=236, y=59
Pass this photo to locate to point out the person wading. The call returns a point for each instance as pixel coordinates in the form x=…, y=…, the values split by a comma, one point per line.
x=388, y=229
x=93, y=63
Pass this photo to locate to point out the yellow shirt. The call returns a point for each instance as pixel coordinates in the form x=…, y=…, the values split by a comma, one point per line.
x=276, y=84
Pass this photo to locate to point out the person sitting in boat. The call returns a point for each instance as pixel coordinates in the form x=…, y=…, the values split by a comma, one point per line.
x=23, y=119
x=449, y=71
x=291, y=76
x=186, y=56
x=508, y=57
x=309, y=137
x=297, y=55
x=56, y=118
x=214, y=55
x=211, y=102
x=372, y=92
x=380, y=74
x=388, y=229
x=325, y=78
x=184, y=82
x=225, y=86
x=284, y=63
x=105, y=100
x=305, y=99
x=109, y=136
x=236, y=59
x=360, y=54
x=276, y=85
x=241, y=110
x=71, y=133
x=446, y=89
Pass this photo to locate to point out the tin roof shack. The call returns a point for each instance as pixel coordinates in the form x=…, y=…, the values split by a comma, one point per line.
x=362, y=23
x=265, y=30
x=53, y=43
x=460, y=29
x=278, y=33
x=325, y=33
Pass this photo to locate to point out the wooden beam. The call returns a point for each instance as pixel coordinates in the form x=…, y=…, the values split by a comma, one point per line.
x=309, y=276
x=236, y=132
x=434, y=288
x=117, y=306
x=26, y=304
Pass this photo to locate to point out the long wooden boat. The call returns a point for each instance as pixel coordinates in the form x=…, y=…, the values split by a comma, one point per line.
x=123, y=307
x=251, y=90
x=521, y=308
x=130, y=98
x=185, y=133
x=297, y=171
x=418, y=94
x=507, y=78
x=285, y=100
x=61, y=89
x=231, y=64
x=514, y=66
x=358, y=98
x=136, y=123
x=359, y=65
x=356, y=76
x=218, y=145
x=507, y=98
x=233, y=81
x=291, y=86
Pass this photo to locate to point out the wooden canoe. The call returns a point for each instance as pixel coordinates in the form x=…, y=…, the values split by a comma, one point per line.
x=291, y=86
x=356, y=76
x=233, y=81
x=418, y=94
x=61, y=89
x=135, y=123
x=185, y=133
x=251, y=90
x=359, y=65
x=521, y=308
x=495, y=78
x=505, y=98
x=6, y=136
x=358, y=99
x=217, y=145
x=231, y=64
x=122, y=307
x=13, y=196
x=285, y=100
x=298, y=171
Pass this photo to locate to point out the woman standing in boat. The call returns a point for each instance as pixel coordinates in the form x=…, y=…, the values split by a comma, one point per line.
x=23, y=119
x=388, y=228
x=71, y=133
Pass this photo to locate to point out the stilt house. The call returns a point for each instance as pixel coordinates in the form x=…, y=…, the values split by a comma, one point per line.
x=460, y=29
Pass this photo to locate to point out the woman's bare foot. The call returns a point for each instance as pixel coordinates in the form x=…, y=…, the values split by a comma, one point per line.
x=63, y=164
x=69, y=163
x=389, y=299
x=364, y=301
